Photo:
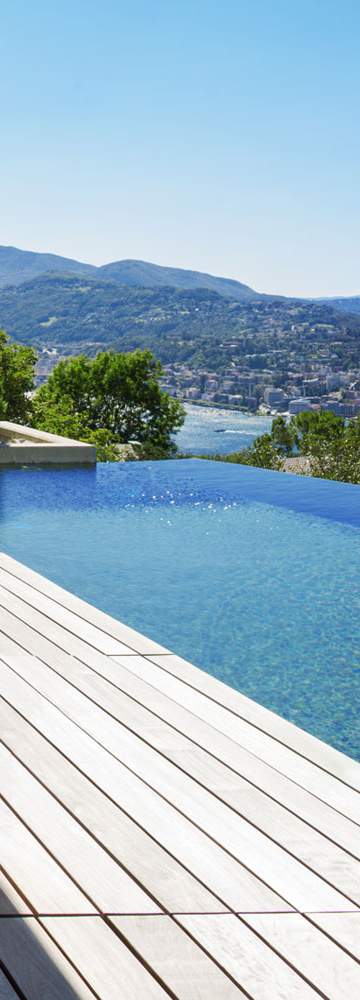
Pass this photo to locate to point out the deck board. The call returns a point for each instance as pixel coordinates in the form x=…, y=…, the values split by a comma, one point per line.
x=161, y=834
x=151, y=773
x=104, y=881
x=45, y=638
x=280, y=729
x=173, y=783
x=207, y=861
x=117, y=630
x=193, y=975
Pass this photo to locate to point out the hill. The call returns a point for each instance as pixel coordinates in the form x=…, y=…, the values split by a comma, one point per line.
x=196, y=326
x=17, y=266
x=349, y=304
x=138, y=273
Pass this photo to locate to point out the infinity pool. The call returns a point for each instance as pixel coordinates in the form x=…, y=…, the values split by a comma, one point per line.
x=253, y=575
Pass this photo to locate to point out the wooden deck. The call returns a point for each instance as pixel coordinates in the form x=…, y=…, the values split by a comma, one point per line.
x=161, y=834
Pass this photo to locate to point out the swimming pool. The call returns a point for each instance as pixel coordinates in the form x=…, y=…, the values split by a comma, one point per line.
x=253, y=575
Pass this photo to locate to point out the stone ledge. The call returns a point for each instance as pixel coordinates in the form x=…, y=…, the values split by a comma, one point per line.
x=20, y=445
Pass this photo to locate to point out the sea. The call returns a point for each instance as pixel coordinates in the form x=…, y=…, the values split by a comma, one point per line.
x=209, y=430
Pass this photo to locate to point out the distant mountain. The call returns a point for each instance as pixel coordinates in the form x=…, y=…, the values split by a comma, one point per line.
x=197, y=326
x=140, y=274
x=17, y=266
x=348, y=304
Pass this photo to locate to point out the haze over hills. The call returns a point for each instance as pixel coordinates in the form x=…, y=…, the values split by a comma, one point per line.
x=139, y=273
x=348, y=304
x=17, y=266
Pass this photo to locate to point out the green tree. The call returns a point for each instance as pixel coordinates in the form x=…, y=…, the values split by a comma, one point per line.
x=116, y=393
x=338, y=458
x=283, y=435
x=261, y=454
x=17, y=372
x=331, y=444
x=311, y=427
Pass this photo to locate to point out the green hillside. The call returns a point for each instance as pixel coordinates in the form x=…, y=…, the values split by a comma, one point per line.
x=197, y=326
x=138, y=273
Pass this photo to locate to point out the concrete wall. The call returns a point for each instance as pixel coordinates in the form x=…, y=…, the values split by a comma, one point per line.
x=26, y=446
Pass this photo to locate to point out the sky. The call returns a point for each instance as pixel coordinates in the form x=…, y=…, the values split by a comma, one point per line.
x=218, y=136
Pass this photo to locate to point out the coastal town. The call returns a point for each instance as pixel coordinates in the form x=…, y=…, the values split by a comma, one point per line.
x=320, y=385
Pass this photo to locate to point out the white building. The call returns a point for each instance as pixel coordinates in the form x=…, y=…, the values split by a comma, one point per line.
x=299, y=405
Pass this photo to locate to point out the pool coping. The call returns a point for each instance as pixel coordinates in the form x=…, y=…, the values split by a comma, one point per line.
x=22, y=445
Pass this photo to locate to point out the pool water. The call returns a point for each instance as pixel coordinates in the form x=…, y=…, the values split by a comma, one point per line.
x=252, y=575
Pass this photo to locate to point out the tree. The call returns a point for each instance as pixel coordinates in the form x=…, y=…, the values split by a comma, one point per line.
x=261, y=453
x=331, y=444
x=338, y=458
x=116, y=393
x=310, y=427
x=283, y=435
x=17, y=372
x=304, y=433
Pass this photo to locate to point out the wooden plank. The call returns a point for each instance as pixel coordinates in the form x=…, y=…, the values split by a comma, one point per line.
x=214, y=817
x=46, y=629
x=176, y=889
x=343, y=928
x=267, y=778
x=233, y=788
x=109, y=967
x=110, y=626
x=307, y=774
x=312, y=778
x=258, y=715
x=231, y=753
x=204, y=737
x=326, y=965
x=61, y=616
x=36, y=964
x=307, y=845
x=98, y=875
x=6, y=990
x=193, y=976
x=301, y=840
x=251, y=962
x=11, y=904
x=220, y=873
x=284, y=874
x=29, y=866
x=281, y=729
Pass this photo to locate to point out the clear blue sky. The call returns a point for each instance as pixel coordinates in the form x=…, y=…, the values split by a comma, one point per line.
x=221, y=136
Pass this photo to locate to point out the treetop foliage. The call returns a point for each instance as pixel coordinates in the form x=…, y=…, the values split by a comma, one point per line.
x=116, y=394
x=17, y=367
x=331, y=443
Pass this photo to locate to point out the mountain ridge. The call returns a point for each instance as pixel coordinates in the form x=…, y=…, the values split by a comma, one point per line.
x=18, y=266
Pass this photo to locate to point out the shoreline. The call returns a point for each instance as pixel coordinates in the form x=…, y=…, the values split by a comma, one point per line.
x=220, y=406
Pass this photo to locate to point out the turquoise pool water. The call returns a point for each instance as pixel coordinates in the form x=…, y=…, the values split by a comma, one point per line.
x=252, y=575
